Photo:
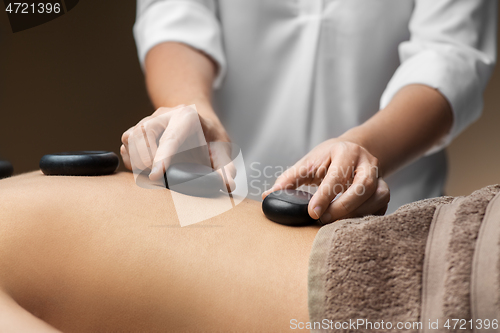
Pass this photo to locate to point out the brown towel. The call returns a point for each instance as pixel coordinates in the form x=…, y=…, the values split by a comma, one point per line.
x=369, y=270
x=485, y=279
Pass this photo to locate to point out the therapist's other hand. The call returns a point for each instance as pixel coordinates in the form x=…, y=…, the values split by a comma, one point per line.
x=156, y=138
x=338, y=166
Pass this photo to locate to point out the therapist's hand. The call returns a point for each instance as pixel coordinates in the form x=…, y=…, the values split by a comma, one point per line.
x=338, y=166
x=156, y=138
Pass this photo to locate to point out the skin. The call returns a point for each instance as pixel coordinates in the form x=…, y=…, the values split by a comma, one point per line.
x=101, y=254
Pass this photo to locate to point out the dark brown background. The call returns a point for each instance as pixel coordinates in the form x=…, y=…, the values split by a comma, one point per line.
x=75, y=84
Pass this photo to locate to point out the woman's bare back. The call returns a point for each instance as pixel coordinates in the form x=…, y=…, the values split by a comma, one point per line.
x=94, y=254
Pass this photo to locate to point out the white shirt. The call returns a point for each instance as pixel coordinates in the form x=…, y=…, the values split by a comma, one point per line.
x=294, y=73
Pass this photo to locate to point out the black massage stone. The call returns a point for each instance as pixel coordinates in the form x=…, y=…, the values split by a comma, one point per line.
x=6, y=169
x=288, y=207
x=194, y=180
x=80, y=163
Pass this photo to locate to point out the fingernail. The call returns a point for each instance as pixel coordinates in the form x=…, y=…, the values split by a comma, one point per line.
x=326, y=218
x=317, y=211
x=268, y=191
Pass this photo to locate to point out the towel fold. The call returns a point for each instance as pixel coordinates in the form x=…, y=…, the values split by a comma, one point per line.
x=371, y=269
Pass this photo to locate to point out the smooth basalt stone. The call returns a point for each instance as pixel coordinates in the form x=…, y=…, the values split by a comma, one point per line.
x=194, y=179
x=79, y=163
x=6, y=169
x=288, y=207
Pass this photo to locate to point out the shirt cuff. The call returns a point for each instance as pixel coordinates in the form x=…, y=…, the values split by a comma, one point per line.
x=184, y=22
x=452, y=73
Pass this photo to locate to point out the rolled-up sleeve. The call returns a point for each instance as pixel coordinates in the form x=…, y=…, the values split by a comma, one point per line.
x=452, y=49
x=192, y=22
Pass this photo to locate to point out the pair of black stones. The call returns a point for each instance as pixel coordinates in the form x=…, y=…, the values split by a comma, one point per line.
x=101, y=163
x=184, y=177
x=287, y=207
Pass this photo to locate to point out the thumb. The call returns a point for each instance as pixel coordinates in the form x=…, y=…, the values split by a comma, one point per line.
x=291, y=178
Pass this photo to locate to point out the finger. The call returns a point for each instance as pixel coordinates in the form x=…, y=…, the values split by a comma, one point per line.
x=179, y=128
x=126, y=135
x=142, y=147
x=307, y=171
x=219, y=154
x=143, y=120
x=381, y=211
x=336, y=181
x=152, y=131
x=152, y=128
x=229, y=183
x=125, y=157
x=152, y=116
x=363, y=187
x=299, y=174
x=158, y=112
x=231, y=169
x=135, y=161
x=228, y=176
x=376, y=205
x=221, y=161
x=286, y=180
x=137, y=146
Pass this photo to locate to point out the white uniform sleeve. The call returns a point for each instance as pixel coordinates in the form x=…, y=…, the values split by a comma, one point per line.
x=192, y=22
x=453, y=49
